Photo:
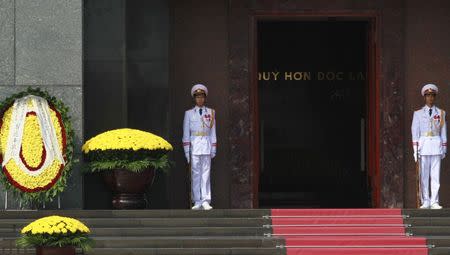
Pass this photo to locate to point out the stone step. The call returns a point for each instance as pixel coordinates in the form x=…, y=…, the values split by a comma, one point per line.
x=196, y=231
x=13, y=251
x=426, y=212
x=133, y=251
x=231, y=232
x=428, y=221
x=152, y=222
x=174, y=213
x=7, y=232
x=162, y=231
x=198, y=222
x=429, y=231
x=184, y=231
x=216, y=213
x=175, y=242
x=164, y=251
x=188, y=251
x=439, y=241
x=439, y=251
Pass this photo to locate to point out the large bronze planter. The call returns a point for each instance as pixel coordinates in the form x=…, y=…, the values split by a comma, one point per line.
x=128, y=187
x=69, y=250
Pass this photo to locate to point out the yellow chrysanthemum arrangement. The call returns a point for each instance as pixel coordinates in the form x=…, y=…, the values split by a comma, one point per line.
x=55, y=231
x=127, y=148
x=29, y=179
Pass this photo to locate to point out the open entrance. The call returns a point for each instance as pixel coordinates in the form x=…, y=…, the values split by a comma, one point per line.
x=313, y=113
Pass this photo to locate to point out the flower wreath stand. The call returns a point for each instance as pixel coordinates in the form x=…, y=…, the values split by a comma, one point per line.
x=36, y=146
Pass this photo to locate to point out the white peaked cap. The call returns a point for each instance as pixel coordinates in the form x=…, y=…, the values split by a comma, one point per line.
x=429, y=88
x=197, y=87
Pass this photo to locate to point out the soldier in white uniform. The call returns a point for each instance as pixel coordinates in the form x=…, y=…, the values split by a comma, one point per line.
x=200, y=143
x=429, y=140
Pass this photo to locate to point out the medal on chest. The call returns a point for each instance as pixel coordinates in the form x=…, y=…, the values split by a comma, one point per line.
x=435, y=121
x=208, y=120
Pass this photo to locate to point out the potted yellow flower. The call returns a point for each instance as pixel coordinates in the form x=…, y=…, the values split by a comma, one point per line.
x=55, y=235
x=127, y=158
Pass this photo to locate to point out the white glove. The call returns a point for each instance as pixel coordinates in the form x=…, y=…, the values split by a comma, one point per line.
x=442, y=155
x=213, y=155
x=188, y=158
x=415, y=154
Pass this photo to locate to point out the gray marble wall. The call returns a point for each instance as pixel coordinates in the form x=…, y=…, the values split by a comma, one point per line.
x=41, y=46
x=126, y=52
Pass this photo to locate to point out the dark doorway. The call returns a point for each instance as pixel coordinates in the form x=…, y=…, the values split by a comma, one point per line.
x=312, y=96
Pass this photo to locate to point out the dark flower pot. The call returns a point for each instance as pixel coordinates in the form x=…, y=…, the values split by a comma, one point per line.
x=69, y=250
x=128, y=187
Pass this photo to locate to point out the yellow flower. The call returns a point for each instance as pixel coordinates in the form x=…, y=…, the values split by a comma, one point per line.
x=32, y=149
x=55, y=225
x=32, y=153
x=56, y=230
x=126, y=139
x=72, y=229
x=30, y=128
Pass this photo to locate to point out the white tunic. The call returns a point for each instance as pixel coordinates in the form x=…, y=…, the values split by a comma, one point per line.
x=199, y=131
x=429, y=133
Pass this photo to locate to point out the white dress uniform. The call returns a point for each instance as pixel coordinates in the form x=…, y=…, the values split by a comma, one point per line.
x=429, y=139
x=200, y=143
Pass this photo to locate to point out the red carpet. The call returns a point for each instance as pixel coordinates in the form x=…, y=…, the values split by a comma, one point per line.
x=338, y=221
x=337, y=212
x=357, y=251
x=331, y=230
x=354, y=240
x=345, y=232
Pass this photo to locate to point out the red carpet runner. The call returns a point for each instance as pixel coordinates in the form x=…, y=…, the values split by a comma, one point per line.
x=345, y=232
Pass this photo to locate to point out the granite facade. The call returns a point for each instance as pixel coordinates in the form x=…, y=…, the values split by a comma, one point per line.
x=390, y=34
x=7, y=60
x=41, y=46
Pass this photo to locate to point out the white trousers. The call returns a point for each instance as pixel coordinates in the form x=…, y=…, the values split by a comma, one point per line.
x=430, y=167
x=201, y=185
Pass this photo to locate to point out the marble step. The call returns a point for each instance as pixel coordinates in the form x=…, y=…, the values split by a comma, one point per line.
x=429, y=231
x=152, y=222
x=164, y=251
x=426, y=213
x=175, y=242
x=439, y=251
x=183, y=231
x=216, y=213
x=428, y=221
x=438, y=241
